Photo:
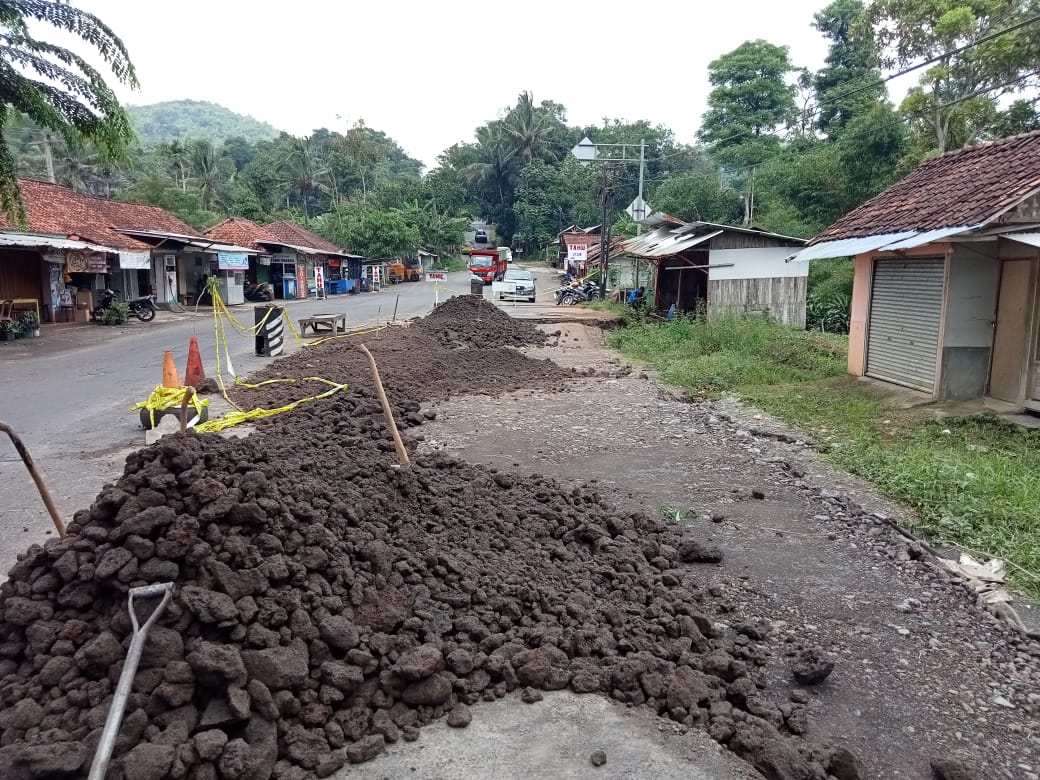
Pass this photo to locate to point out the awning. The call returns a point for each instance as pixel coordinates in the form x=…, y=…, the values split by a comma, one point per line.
x=885, y=242
x=201, y=243
x=1033, y=239
x=36, y=241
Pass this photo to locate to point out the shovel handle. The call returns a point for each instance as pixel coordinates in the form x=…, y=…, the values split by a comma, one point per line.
x=99, y=768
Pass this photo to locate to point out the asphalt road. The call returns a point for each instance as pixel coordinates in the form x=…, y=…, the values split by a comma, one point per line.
x=69, y=393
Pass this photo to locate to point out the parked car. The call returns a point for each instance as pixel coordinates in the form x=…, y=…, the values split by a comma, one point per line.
x=516, y=283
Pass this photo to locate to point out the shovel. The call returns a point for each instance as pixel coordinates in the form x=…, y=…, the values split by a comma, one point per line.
x=126, y=679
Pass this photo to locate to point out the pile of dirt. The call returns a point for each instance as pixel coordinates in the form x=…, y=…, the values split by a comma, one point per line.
x=471, y=321
x=329, y=602
x=413, y=364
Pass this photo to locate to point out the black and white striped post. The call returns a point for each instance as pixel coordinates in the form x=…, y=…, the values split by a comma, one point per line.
x=270, y=334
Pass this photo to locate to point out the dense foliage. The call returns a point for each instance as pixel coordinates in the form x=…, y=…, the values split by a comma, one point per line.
x=182, y=120
x=780, y=147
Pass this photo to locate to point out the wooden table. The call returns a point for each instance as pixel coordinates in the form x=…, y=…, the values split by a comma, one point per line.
x=336, y=323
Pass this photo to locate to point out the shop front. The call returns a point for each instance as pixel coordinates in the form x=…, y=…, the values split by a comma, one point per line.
x=134, y=274
x=231, y=274
x=284, y=278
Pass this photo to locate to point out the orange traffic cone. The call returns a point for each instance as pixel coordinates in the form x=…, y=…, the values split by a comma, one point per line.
x=169, y=371
x=194, y=373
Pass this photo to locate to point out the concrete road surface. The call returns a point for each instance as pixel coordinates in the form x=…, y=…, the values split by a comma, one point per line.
x=69, y=394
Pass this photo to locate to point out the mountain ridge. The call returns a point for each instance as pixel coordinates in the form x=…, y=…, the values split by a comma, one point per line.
x=181, y=120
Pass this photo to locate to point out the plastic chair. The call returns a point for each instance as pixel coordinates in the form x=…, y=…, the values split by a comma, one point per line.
x=7, y=311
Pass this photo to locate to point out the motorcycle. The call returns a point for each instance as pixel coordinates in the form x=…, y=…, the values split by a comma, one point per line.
x=259, y=293
x=143, y=308
x=569, y=295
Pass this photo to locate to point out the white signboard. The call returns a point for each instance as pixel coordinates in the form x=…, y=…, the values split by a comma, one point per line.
x=375, y=274
x=437, y=276
x=579, y=253
x=232, y=261
x=319, y=278
x=138, y=260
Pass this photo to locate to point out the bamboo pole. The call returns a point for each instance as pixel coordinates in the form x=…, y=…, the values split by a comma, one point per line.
x=45, y=494
x=402, y=453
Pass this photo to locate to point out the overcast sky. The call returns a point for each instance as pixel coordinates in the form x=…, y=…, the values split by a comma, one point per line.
x=428, y=74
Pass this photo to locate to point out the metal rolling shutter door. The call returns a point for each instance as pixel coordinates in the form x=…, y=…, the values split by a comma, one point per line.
x=903, y=332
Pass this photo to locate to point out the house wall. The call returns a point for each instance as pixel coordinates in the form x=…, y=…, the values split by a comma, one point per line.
x=857, y=365
x=782, y=298
x=758, y=280
x=972, y=281
x=731, y=239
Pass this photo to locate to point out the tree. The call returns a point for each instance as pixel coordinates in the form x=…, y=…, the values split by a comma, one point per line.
x=367, y=231
x=953, y=103
x=849, y=83
x=211, y=172
x=749, y=101
x=57, y=88
x=698, y=197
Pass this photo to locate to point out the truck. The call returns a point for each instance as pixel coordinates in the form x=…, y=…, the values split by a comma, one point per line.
x=488, y=264
x=407, y=270
x=506, y=254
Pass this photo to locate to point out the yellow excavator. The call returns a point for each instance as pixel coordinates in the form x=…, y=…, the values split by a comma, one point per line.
x=407, y=270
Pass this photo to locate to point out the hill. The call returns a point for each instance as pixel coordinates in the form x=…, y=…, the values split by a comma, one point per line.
x=182, y=119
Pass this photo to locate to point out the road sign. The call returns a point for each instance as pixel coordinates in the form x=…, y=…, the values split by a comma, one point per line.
x=638, y=209
x=437, y=276
x=578, y=253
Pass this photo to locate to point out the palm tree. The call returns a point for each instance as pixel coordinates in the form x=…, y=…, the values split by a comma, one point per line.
x=302, y=175
x=212, y=172
x=55, y=87
x=530, y=130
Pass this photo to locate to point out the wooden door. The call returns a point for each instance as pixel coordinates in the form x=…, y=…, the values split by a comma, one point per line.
x=1011, y=342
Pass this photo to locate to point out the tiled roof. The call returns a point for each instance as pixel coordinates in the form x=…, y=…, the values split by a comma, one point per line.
x=241, y=232
x=56, y=210
x=964, y=187
x=293, y=234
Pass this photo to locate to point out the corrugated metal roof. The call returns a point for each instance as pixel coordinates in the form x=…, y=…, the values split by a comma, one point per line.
x=1032, y=239
x=886, y=242
x=50, y=242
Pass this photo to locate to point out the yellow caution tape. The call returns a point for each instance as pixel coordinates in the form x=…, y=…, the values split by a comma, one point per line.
x=163, y=398
x=238, y=417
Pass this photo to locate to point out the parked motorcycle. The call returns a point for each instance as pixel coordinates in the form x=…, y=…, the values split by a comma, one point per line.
x=143, y=308
x=259, y=293
x=569, y=295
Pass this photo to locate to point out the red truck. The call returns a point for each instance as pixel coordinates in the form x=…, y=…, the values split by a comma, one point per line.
x=488, y=264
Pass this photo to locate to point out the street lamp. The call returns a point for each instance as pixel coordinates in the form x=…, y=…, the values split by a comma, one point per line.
x=588, y=152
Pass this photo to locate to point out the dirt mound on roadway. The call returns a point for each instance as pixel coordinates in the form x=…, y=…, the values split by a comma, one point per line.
x=470, y=321
x=329, y=603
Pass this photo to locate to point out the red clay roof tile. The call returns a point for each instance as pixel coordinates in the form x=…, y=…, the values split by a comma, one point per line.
x=241, y=232
x=293, y=234
x=959, y=188
x=56, y=210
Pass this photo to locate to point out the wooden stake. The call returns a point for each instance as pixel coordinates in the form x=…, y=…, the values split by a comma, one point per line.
x=402, y=453
x=189, y=392
x=45, y=494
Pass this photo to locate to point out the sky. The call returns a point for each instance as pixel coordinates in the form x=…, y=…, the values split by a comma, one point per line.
x=428, y=74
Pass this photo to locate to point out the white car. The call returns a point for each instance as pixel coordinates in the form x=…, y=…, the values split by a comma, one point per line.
x=516, y=283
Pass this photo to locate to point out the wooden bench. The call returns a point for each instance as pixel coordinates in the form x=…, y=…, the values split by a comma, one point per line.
x=336, y=323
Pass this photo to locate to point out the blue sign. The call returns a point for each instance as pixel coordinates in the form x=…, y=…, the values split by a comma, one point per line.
x=232, y=261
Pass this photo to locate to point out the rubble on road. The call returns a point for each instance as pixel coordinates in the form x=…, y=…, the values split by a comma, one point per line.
x=331, y=601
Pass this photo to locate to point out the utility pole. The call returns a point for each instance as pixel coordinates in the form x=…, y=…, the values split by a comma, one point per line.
x=642, y=170
x=604, y=232
x=48, y=156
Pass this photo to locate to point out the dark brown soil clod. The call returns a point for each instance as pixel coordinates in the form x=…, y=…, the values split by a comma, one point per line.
x=598, y=758
x=811, y=668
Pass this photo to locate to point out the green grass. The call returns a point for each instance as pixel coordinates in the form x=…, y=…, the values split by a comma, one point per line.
x=450, y=264
x=974, y=481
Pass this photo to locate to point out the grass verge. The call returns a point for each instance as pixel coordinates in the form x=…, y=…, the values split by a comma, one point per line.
x=974, y=481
